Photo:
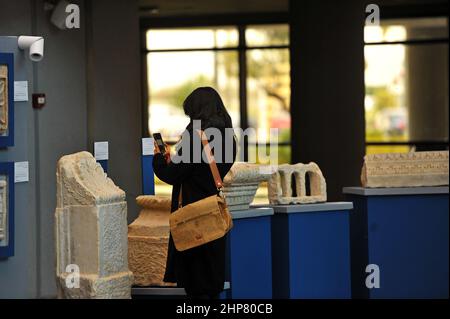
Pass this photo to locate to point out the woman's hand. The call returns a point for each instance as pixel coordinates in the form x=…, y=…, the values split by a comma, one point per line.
x=167, y=151
x=156, y=149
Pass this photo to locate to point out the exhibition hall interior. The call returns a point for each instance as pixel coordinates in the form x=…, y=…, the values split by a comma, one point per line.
x=340, y=109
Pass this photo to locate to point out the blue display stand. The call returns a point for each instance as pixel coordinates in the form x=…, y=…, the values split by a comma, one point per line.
x=101, y=154
x=249, y=258
x=148, y=178
x=311, y=251
x=104, y=165
x=404, y=231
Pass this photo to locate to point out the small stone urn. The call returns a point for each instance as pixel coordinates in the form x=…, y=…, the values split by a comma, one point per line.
x=148, y=238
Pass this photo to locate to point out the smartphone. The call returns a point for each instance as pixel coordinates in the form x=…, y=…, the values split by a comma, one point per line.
x=160, y=143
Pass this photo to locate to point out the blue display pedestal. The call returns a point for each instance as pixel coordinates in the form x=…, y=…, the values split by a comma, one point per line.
x=249, y=257
x=148, y=178
x=311, y=251
x=404, y=231
x=103, y=164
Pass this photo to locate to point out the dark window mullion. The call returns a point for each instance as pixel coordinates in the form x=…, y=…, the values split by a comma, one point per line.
x=242, y=61
x=411, y=42
x=190, y=50
x=144, y=91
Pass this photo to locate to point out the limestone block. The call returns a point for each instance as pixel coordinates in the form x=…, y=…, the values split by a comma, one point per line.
x=281, y=188
x=241, y=184
x=91, y=231
x=405, y=169
x=148, y=238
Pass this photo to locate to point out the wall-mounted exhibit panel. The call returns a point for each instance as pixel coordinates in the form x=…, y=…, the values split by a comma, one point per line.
x=6, y=99
x=6, y=209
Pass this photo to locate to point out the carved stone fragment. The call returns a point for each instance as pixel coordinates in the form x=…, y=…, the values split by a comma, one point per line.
x=91, y=232
x=241, y=184
x=3, y=98
x=148, y=238
x=405, y=169
x=288, y=184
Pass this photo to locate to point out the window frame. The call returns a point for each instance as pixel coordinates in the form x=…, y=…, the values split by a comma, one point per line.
x=241, y=22
x=393, y=14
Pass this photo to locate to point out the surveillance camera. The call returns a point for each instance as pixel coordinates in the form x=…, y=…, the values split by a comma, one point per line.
x=59, y=14
x=34, y=44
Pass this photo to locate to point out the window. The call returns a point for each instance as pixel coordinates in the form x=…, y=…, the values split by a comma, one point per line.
x=248, y=65
x=406, y=78
x=175, y=68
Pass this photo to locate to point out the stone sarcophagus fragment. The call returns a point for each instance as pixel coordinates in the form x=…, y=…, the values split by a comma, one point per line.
x=288, y=185
x=412, y=169
x=241, y=184
x=91, y=232
x=148, y=238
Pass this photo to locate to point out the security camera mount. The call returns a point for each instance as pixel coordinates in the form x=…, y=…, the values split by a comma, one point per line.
x=35, y=44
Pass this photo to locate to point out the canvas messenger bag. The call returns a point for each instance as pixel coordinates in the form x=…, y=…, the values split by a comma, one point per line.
x=205, y=220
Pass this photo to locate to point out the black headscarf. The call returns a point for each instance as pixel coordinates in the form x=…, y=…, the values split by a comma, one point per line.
x=205, y=104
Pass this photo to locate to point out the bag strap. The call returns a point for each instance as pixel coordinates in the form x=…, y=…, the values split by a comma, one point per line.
x=212, y=162
x=212, y=165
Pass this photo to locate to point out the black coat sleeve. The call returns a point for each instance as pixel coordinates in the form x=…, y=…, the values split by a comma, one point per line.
x=171, y=173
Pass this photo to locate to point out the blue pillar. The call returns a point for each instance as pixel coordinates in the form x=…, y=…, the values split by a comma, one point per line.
x=148, y=178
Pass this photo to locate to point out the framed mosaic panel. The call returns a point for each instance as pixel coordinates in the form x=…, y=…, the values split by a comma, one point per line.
x=6, y=99
x=6, y=209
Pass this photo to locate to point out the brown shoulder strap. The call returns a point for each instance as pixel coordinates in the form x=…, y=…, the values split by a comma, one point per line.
x=212, y=162
x=212, y=165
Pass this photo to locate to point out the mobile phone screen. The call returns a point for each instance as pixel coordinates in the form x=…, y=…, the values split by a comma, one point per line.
x=160, y=143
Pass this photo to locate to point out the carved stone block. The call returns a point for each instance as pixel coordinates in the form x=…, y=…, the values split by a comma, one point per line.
x=288, y=184
x=405, y=169
x=148, y=238
x=3, y=98
x=91, y=231
x=241, y=184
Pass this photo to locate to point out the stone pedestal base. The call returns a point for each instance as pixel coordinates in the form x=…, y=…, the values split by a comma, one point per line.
x=116, y=286
x=148, y=238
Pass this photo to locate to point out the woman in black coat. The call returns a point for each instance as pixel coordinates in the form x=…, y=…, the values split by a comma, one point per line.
x=200, y=270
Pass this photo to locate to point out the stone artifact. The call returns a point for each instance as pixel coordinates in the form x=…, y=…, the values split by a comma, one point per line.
x=3, y=209
x=148, y=238
x=405, y=169
x=283, y=191
x=91, y=231
x=3, y=98
x=241, y=184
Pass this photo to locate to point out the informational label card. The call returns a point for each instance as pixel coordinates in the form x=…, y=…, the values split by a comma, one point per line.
x=21, y=173
x=101, y=151
x=20, y=91
x=147, y=146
